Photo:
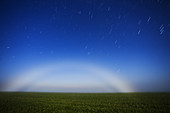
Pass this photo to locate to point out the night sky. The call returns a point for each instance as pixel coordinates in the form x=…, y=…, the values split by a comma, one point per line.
x=85, y=45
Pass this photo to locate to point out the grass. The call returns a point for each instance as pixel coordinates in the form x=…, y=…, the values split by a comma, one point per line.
x=20, y=102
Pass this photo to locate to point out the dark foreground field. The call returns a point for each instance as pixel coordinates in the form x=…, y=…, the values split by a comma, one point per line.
x=76, y=102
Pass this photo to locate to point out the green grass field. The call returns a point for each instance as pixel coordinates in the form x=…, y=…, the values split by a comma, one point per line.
x=11, y=102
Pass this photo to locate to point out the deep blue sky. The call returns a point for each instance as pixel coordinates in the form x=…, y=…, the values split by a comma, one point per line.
x=130, y=37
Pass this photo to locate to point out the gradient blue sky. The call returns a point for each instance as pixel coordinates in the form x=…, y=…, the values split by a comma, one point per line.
x=129, y=37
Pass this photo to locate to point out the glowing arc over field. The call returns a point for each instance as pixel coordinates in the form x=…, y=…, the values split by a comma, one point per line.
x=94, y=77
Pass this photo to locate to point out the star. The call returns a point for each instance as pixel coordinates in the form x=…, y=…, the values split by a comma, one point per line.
x=8, y=47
